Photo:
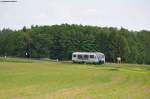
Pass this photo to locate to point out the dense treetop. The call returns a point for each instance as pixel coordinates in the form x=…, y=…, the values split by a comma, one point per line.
x=59, y=41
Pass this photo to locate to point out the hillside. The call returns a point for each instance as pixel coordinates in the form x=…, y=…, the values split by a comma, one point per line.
x=51, y=80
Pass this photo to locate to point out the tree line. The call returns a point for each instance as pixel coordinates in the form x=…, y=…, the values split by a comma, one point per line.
x=60, y=41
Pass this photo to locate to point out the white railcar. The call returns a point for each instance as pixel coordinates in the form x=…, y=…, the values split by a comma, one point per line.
x=88, y=57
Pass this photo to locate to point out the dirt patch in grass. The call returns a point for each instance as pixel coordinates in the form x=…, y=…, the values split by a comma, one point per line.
x=72, y=93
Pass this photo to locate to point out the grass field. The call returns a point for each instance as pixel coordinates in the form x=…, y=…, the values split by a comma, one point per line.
x=51, y=80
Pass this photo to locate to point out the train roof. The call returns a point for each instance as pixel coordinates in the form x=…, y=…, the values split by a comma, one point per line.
x=88, y=53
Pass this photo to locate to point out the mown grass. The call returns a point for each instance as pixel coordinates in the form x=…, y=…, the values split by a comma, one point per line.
x=16, y=60
x=52, y=80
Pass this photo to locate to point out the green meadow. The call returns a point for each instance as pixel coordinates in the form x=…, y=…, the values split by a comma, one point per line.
x=31, y=79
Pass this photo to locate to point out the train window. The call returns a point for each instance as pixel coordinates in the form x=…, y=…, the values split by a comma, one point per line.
x=74, y=55
x=79, y=56
x=103, y=56
x=91, y=56
x=85, y=56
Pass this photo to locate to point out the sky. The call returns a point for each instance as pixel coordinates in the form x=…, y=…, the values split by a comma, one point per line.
x=130, y=14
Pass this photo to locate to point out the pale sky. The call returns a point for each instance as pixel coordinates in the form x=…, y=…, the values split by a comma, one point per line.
x=130, y=14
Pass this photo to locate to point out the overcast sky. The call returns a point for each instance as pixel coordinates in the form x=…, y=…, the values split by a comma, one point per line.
x=130, y=14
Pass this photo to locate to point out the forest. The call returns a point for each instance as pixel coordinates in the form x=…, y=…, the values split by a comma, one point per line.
x=60, y=41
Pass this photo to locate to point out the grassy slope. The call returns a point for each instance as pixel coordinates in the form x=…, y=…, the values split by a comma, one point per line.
x=50, y=80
